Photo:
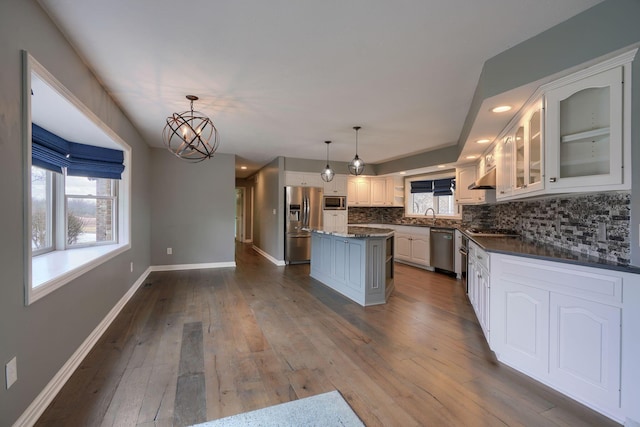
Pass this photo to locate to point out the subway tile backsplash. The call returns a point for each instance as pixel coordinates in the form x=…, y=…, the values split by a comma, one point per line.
x=594, y=224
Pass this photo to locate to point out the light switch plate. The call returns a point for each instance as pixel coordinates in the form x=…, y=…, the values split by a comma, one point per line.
x=11, y=372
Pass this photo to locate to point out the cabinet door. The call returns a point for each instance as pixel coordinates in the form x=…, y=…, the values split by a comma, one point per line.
x=403, y=247
x=340, y=260
x=584, y=134
x=420, y=249
x=585, y=349
x=378, y=192
x=294, y=178
x=464, y=178
x=521, y=330
x=483, y=301
x=337, y=186
x=356, y=264
x=329, y=219
x=359, y=191
x=504, y=173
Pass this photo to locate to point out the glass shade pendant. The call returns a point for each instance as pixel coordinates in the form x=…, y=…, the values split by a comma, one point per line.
x=327, y=174
x=190, y=135
x=356, y=166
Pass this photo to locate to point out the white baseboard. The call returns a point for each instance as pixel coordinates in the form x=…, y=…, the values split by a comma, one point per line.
x=192, y=266
x=278, y=262
x=46, y=396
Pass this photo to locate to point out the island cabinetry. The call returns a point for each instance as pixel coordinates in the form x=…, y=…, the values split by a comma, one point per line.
x=412, y=245
x=585, y=132
x=562, y=325
x=360, y=268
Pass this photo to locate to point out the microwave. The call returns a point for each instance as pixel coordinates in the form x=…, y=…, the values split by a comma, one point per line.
x=334, y=203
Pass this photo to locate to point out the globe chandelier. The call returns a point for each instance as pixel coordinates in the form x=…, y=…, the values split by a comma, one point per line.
x=190, y=135
x=327, y=174
x=356, y=166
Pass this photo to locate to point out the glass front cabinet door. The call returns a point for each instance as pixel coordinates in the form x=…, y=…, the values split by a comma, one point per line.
x=584, y=138
x=528, y=146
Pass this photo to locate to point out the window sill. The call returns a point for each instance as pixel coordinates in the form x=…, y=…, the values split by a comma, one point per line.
x=52, y=270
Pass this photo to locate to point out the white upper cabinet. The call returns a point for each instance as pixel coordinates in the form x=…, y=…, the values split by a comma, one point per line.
x=303, y=179
x=337, y=186
x=359, y=191
x=527, y=157
x=465, y=176
x=504, y=170
x=585, y=135
x=378, y=192
x=375, y=191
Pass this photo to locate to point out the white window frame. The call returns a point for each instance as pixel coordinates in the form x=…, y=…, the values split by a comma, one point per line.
x=47, y=272
x=431, y=176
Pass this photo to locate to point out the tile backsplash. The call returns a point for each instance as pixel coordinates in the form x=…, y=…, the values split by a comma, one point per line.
x=594, y=224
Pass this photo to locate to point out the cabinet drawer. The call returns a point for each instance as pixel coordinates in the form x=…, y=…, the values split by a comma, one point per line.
x=584, y=282
x=479, y=254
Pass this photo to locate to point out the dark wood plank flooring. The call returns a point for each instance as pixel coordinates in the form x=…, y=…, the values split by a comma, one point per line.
x=197, y=345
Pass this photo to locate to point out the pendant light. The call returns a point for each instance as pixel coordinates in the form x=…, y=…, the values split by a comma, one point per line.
x=327, y=174
x=356, y=166
x=188, y=135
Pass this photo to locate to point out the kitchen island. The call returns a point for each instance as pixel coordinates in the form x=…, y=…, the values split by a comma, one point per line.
x=357, y=262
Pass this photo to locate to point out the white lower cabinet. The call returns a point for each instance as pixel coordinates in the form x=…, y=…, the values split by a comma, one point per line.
x=479, y=285
x=563, y=325
x=412, y=246
x=584, y=348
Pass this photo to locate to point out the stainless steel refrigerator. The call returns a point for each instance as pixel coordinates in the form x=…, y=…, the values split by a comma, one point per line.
x=303, y=208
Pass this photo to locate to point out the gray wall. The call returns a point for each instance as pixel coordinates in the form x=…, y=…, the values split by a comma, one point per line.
x=193, y=209
x=268, y=228
x=45, y=334
x=607, y=27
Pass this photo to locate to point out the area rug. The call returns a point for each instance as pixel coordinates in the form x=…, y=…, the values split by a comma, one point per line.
x=327, y=409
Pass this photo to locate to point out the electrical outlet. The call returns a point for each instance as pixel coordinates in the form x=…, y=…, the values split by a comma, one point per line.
x=11, y=372
x=132, y=266
x=274, y=211
x=602, y=232
x=169, y=251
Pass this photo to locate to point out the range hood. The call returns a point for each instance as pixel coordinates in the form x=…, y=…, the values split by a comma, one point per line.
x=485, y=182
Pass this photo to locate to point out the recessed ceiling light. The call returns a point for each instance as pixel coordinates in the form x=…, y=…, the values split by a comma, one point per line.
x=442, y=166
x=243, y=167
x=501, y=108
x=483, y=141
x=471, y=157
x=403, y=173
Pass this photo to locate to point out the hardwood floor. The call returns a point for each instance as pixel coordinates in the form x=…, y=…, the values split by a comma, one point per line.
x=197, y=345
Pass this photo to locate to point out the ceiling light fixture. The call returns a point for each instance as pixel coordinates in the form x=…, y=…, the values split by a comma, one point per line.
x=471, y=157
x=244, y=168
x=188, y=135
x=356, y=166
x=483, y=141
x=327, y=173
x=501, y=108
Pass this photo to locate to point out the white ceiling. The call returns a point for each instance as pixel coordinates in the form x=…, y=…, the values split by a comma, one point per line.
x=280, y=77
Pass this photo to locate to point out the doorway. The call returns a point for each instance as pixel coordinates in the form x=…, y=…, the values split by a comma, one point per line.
x=240, y=214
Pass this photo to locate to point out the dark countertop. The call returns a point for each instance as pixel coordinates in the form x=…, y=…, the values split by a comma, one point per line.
x=352, y=231
x=519, y=246
x=530, y=249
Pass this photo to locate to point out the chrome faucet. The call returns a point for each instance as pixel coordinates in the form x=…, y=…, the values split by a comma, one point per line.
x=433, y=212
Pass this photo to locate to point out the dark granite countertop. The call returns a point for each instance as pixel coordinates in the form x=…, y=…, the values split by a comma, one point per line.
x=530, y=249
x=519, y=246
x=352, y=231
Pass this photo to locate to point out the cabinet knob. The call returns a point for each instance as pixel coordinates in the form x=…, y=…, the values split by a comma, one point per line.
x=552, y=179
x=501, y=191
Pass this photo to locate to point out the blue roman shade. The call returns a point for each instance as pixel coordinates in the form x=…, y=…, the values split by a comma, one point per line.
x=443, y=187
x=425, y=186
x=51, y=152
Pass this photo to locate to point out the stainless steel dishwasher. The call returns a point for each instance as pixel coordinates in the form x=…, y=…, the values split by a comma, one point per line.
x=442, y=248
